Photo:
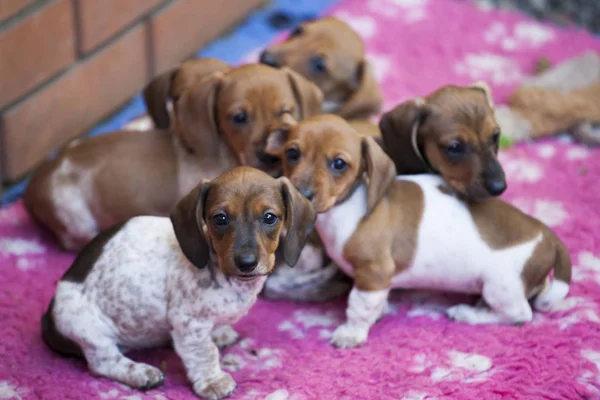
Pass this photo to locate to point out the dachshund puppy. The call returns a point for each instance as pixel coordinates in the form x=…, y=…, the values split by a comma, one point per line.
x=332, y=55
x=412, y=232
x=153, y=280
x=220, y=121
x=453, y=133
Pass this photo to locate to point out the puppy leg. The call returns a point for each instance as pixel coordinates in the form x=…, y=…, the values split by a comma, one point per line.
x=193, y=343
x=84, y=323
x=224, y=336
x=506, y=304
x=364, y=308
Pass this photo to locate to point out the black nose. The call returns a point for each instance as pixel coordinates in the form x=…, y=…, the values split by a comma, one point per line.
x=495, y=187
x=309, y=193
x=269, y=58
x=246, y=261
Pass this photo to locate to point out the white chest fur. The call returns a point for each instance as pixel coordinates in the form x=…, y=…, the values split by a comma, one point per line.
x=450, y=253
x=337, y=225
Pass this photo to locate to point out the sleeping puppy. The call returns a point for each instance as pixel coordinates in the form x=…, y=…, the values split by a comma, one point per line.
x=220, y=121
x=332, y=55
x=412, y=232
x=153, y=280
x=453, y=133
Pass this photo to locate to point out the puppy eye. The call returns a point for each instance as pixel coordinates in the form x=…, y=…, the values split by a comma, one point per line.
x=317, y=64
x=296, y=32
x=240, y=118
x=292, y=154
x=220, y=219
x=496, y=138
x=455, y=149
x=270, y=218
x=339, y=165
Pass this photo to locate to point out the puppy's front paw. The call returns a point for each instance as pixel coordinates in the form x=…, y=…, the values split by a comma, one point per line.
x=462, y=313
x=145, y=377
x=216, y=389
x=224, y=336
x=346, y=336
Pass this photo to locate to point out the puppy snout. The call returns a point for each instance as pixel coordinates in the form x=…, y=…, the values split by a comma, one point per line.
x=495, y=187
x=308, y=192
x=270, y=59
x=246, y=261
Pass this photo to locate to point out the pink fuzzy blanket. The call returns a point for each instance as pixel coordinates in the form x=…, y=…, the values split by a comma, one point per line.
x=415, y=352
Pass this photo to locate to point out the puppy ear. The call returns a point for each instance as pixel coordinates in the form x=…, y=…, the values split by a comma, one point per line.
x=155, y=96
x=366, y=100
x=196, y=113
x=380, y=171
x=481, y=85
x=187, y=223
x=300, y=217
x=397, y=127
x=308, y=95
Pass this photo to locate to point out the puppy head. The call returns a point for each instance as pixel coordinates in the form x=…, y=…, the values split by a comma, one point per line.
x=331, y=54
x=325, y=158
x=451, y=132
x=170, y=84
x=240, y=217
x=244, y=106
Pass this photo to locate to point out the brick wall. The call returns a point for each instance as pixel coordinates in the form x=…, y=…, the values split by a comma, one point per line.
x=67, y=64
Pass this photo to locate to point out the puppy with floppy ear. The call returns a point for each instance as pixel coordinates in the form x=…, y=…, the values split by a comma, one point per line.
x=410, y=232
x=169, y=85
x=331, y=54
x=218, y=245
x=451, y=132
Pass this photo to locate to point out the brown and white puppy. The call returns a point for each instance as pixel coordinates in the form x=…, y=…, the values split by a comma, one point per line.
x=451, y=132
x=153, y=280
x=412, y=232
x=221, y=121
x=332, y=55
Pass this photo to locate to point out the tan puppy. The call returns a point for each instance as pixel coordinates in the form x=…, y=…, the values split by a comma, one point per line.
x=331, y=54
x=451, y=132
x=411, y=232
x=152, y=280
x=221, y=121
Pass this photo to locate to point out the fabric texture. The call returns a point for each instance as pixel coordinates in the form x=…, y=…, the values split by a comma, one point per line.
x=414, y=352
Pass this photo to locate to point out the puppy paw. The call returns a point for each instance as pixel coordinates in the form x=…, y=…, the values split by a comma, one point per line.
x=217, y=388
x=462, y=313
x=144, y=377
x=346, y=336
x=224, y=336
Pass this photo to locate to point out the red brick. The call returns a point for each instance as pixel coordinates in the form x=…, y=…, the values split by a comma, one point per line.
x=10, y=7
x=100, y=19
x=73, y=103
x=35, y=49
x=187, y=25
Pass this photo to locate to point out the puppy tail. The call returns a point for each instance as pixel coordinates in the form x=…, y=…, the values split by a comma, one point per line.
x=559, y=287
x=54, y=339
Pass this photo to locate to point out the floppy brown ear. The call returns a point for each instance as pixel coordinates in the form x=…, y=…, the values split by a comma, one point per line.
x=187, y=223
x=367, y=99
x=380, y=171
x=156, y=94
x=300, y=217
x=308, y=95
x=196, y=114
x=481, y=85
x=396, y=128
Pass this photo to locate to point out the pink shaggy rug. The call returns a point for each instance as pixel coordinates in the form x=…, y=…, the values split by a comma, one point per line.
x=415, y=352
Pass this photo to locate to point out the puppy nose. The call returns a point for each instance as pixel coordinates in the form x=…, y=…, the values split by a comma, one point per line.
x=309, y=193
x=269, y=58
x=495, y=187
x=246, y=261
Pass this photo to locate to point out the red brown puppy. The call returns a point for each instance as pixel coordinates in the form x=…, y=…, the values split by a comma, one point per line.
x=221, y=120
x=453, y=133
x=412, y=232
